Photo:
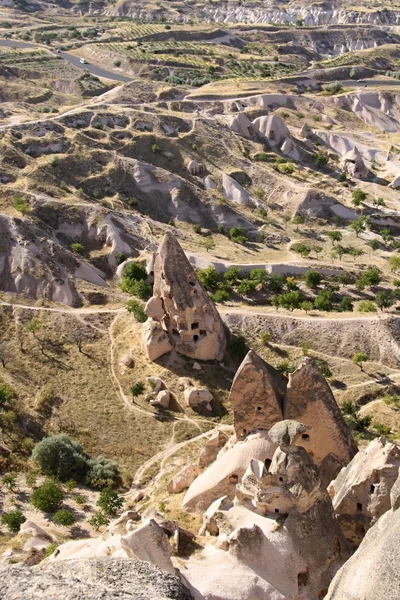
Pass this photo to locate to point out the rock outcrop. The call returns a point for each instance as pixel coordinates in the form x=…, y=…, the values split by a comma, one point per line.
x=221, y=477
x=241, y=124
x=361, y=492
x=149, y=542
x=212, y=448
x=372, y=572
x=91, y=579
x=309, y=400
x=272, y=127
x=255, y=397
x=354, y=165
x=190, y=322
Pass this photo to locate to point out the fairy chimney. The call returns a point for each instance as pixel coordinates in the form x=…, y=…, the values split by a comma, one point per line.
x=255, y=397
x=189, y=317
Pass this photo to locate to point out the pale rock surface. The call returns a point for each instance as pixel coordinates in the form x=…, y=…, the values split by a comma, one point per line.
x=209, y=184
x=197, y=367
x=127, y=361
x=184, y=383
x=149, y=542
x=288, y=148
x=155, y=341
x=241, y=124
x=395, y=184
x=234, y=192
x=162, y=399
x=305, y=131
x=354, y=165
x=197, y=396
x=272, y=127
x=154, y=308
x=194, y=167
x=91, y=579
x=211, y=449
x=254, y=396
x=372, y=573
x=221, y=477
x=183, y=479
x=190, y=320
x=309, y=400
x=361, y=492
x=157, y=384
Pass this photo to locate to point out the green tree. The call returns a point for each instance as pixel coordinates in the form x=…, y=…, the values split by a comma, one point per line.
x=209, y=278
x=48, y=497
x=12, y=520
x=386, y=235
x=276, y=283
x=98, y=519
x=77, y=248
x=208, y=243
x=374, y=245
x=291, y=300
x=358, y=196
x=6, y=396
x=358, y=226
x=134, y=307
x=384, y=299
x=323, y=367
x=345, y=305
x=135, y=270
x=359, y=358
x=324, y=301
x=317, y=249
x=297, y=220
x=307, y=305
x=394, y=263
x=335, y=236
x=109, y=502
x=312, y=279
x=367, y=306
x=246, y=287
x=64, y=517
x=221, y=295
x=265, y=337
x=61, y=457
x=356, y=252
x=137, y=389
x=369, y=278
x=320, y=159
x=102, y=473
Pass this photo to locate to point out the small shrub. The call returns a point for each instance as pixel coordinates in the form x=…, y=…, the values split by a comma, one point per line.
x=320, y=159
x=61, y=457
x=64, y=517
x=9, y=481
x=77, y=248
x=140, y=288
x=237, y=347
x=220, y=296
x=323, y=367
x=312, y=279
x=135, y=271
x=134, y=307
x=20, y=205
x=50, y=549
x=137, y=389
x=98, y=519
x=70, y=485
x=392, y=400
x=102, y=473
x=120, y=257
x=209, y=278
x=305, y=348
x=6, y=396
x=155, y=148
x=64, y=187
x=79, y=499
x=367, y=306
x=382, y=429
x=109, y=502
x=359, y=358
x=246, y=287
x=284, y=367
x=265, y=337
x=48, y=497
x=30, y=479
x=12, y=520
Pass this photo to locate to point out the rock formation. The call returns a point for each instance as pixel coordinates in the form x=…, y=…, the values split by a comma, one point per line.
x=189, y=320
x=278, y=538
x=221, y=477
x=305, y=131
x=149, y=542
x=194, y=168
x=259, y=400
x=255, y=397
x=354, y=165
x=273, y=128
x=361, y=492
x=212, y=448
x=373, y=571
x=90, y=579
x=309, y=399
x=241, y=124
x=395, y=184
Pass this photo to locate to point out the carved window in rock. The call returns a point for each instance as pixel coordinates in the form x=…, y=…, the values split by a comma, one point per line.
x=233, y=478
x=195, y=325
x=251, y=483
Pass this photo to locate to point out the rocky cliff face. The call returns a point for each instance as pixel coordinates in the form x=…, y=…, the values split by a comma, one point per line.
x=90, y=579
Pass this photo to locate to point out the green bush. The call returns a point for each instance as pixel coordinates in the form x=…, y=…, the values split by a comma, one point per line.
x=236, y=234
x=140, y=288
x=20, y=205
x=12, y=520
x=79, y=499
x=221, y=295
x=358, y=196
x=102, y=473
x=61, y=457
x=323, y=367
x=209, y=278
x=320, y=159
x=109, y=502
x=246, y=286
x=367, y=306
x=284, y=367
x=135, y=271
x=120, y=257
x=77, y=248
x=134, y=307
x=64, y=517
x=137, y=389
x=6, y=396
x=232, y=275
x=384, y=299
x=98, y=519
x=237, y=347
x=70, y=485
x=392, y=400
x=48, y=497
x=265, y=337
x=155, y=148
x=312, y=279
x=345, y=305
x=324, y=301
x=382, y=429
x=291, y=300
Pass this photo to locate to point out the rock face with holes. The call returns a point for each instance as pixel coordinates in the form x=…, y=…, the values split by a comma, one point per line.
x=361, y=492
x=260, y=397
x=189, y=318
x=278, y=538
x=255, y=396
x=155, y=341
x=273, y=128
x=309, y=399
x=354, y=164
x=373, y=570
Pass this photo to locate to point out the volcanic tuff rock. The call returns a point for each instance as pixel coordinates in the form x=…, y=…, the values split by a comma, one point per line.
x=372, y=572
x=91, y=579
x=190, y=318
x=361, y=492
x=149, y=542
x=155, y=340
x=309, y=399
x=255, y=397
